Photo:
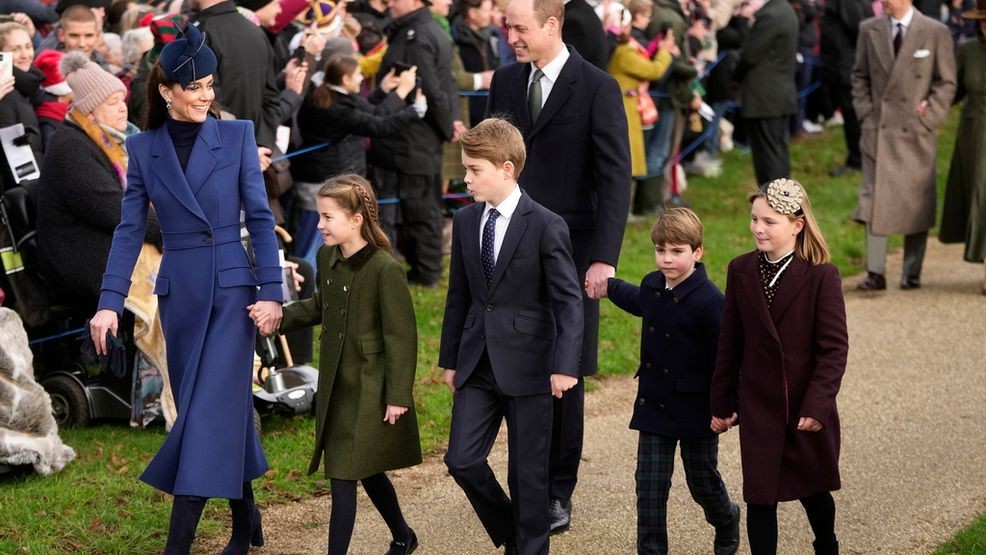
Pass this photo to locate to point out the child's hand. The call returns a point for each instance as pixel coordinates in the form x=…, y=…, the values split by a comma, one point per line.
x=720, y=425
x=602, y=293
x=393, y=413
x=809, y=424
x=560, y=383
x=449, y=378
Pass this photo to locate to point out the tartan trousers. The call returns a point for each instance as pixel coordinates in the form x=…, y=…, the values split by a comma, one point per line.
x=655, y=465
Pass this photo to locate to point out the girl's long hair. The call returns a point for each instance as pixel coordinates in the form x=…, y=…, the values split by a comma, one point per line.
x=354, y=195
x=157, y=111
x=810, y=244
x=333, y=71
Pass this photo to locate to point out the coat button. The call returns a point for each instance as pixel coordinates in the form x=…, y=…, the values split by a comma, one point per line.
x=328, y=281
x=657, y=294
x=342, y=311
x=340, y=335
x=666, y=371
x=206, y=237
x=647, y=365
x=345, y=288
x=660, y=405
x=675, y=300
x=641, y=401
x=489, y=308
x=650, y=329
x=667, y=336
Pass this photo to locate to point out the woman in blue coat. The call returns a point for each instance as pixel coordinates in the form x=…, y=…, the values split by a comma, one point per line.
x=199, y=173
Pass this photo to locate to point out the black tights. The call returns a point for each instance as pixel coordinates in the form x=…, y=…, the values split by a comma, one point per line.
x=761, y=524
x=343, y=518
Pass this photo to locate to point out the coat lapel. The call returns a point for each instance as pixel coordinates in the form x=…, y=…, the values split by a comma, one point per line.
x=518, y=93
x=204, y=155
x=791, y=282
x=471, y=246
x=168, y=171
x=912, y=40
x=750, y=278
x=560, y=92
x=515, y=231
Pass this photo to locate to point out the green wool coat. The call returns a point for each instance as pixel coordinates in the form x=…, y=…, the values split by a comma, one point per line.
x=367, y=360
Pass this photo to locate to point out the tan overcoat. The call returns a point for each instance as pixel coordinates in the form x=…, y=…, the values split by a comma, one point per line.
x=898, y=147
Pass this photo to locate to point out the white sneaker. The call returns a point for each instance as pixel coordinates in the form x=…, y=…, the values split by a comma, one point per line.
x=836, y=120
x=811, y=127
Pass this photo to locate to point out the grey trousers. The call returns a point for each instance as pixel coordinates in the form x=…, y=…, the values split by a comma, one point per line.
x=914, y=247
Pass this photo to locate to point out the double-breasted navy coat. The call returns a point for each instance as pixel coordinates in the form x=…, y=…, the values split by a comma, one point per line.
x=204, y=285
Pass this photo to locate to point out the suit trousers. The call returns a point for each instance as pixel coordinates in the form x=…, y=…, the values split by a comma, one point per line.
x=914, y=247
x=768, y=138
x=414, y=224
x=478, y=407
x=842, y=94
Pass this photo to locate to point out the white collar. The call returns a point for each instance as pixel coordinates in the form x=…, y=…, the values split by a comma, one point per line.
x=338, y=89
x=905, y=21
x=552, y=69
x=506, y=207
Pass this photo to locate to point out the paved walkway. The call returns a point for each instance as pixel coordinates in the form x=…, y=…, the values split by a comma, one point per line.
x=912, y=408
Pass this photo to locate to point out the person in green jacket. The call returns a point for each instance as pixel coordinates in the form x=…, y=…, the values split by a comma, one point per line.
x=365, y=419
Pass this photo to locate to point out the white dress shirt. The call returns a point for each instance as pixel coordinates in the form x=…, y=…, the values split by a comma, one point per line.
x=905, y=21
x=506, y=210
x=551, y=71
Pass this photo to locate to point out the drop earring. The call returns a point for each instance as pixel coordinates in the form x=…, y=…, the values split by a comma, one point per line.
x=167, y=104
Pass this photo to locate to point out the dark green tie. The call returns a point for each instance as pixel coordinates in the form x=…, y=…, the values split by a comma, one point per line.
x=534, y=95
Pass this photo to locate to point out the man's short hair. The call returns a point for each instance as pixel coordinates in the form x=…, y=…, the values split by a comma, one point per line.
x=640, y=6
x=677, y=226
x=543, y=9
x=497, y=140
x=78, y=14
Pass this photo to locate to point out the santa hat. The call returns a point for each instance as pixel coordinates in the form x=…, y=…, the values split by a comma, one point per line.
x=54, y=82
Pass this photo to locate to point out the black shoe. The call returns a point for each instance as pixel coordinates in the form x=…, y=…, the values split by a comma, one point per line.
x=404, y=547
x=827, y=548
x=728, y=537
x=510, y=548
x=873, y=282
x=842, y=171
x=560, y=515
x=908, y=283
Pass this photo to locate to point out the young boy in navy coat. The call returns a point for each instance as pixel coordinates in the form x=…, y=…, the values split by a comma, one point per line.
x=511, y=337
x=681, y=309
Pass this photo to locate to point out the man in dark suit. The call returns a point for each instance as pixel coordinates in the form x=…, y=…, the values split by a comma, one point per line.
x=584, y=31
x=510, y=337
x=766, y=73
x=578, y=152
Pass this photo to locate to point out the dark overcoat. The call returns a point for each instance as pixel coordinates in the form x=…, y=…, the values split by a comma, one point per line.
x=678, y=342
x=776, y=365
x=204, y=286
x=578, y=163
x=367, y=360
x=768, y=61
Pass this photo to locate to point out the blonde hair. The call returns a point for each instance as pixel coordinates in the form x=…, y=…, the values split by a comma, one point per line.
x=9, y=27
x=810, y=244
x=497, y=140
x=354, y=195
x=677, y=226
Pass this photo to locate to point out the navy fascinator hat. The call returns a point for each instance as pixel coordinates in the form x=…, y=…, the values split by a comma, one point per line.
x=187, y=58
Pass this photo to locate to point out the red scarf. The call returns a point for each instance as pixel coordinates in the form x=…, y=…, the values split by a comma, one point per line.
x=52, y=109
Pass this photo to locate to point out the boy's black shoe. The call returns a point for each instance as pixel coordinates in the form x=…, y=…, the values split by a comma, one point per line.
x=510, y=548
x=908, y=283
x=405, y=547
x=560, y=515
x=873, y=282
x=728, y=537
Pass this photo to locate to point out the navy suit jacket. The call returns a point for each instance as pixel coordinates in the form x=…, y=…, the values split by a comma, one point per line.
x=678, y=346
x=529, y=318
x=578, y=152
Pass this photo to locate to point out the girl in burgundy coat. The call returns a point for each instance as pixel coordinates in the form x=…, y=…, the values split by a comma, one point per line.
x=782, y=354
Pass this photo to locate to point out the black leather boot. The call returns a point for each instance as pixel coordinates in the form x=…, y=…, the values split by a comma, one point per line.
x=247, y=526
x=185, y=513
x=830, y=547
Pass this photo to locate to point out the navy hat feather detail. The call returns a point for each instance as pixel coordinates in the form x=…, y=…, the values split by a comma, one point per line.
x=187, y=58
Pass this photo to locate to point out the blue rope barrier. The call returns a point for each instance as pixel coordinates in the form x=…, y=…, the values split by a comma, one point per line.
x=56, y=336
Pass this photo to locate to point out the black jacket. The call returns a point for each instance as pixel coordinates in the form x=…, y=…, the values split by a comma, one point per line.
x=245, y=80
x=839, y=30
x=768, y=61
x=345, y=124
x=16, y=108
x=678, y=342
x=79, y=198
x=583, y=30
x=480, y=51
x=417, y=40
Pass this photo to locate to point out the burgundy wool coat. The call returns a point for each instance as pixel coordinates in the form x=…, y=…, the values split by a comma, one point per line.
x=777, y=364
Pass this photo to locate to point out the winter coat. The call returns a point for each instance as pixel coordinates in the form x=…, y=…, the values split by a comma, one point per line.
x=839, y=30
x=775, y=365
x=630, y=68
x=667, y=14
x=78, y=208
x=367, y=360
x=584, y=31
x=964, y=214
x=345, y=125
x=767, y=63
x=479, y=51
x=678, y=341
x=898, y=147
x=16, y=108
x=204, y=285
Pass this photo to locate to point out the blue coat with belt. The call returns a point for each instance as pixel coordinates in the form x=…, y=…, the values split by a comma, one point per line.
x=204, y=285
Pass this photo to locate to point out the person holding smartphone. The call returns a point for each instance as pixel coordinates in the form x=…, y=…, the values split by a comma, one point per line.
x=19, y=80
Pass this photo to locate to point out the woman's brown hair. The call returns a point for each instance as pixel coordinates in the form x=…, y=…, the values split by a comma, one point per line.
x=157, y=110
x=333, y=71
x=354, y=195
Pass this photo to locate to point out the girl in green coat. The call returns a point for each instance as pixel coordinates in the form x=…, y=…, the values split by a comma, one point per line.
x=365, y=419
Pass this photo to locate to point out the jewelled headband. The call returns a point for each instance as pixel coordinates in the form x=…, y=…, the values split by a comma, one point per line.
x=785, y=196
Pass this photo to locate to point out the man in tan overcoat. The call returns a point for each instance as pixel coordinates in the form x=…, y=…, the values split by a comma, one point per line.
x=902, y=87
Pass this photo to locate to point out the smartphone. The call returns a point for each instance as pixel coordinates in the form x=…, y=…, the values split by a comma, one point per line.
x=400, y=67
x=6, y=65
x=299, y=54
x=6, y=18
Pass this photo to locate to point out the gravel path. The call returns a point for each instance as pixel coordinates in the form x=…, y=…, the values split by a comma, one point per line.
x=912, y=462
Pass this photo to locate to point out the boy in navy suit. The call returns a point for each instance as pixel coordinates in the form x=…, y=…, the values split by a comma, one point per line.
x=681, y=310
x=511, y=337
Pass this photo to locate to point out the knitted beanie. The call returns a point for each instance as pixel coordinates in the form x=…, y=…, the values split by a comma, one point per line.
x=91, y=84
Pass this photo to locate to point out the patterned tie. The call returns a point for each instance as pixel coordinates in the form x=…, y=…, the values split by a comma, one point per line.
x=534, y=95
x=898, y=38
x=489, y=238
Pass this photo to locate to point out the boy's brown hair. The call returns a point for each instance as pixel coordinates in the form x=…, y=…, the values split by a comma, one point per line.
x=677, y=226
x=78, y=14
x=641, y=6
x=497, y=140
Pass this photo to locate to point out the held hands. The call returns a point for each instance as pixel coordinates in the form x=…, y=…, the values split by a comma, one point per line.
x=596, y=278
x=809, y=424
x=560, y=383
x=104, y=320
x=266, y=315
x=720, y=425
x=393, y=413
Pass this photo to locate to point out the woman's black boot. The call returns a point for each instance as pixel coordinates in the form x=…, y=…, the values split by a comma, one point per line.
x=185, y=513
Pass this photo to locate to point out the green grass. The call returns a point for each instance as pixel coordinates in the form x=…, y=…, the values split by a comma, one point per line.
x=971, y=541
x=97, y=505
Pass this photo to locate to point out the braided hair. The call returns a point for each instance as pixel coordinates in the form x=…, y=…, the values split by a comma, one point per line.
x=354, y=194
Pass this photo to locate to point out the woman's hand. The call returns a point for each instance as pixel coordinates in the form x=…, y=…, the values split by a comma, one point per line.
x=667, y=43
x=263, y=154
x=294, y=75
x=407, y=81
x=267, y=316
x=104, y=320
x=809, y=424
x=720, y=425
x=393, y=413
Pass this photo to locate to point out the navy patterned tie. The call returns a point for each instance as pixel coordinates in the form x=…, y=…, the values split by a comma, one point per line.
x=489, y=238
